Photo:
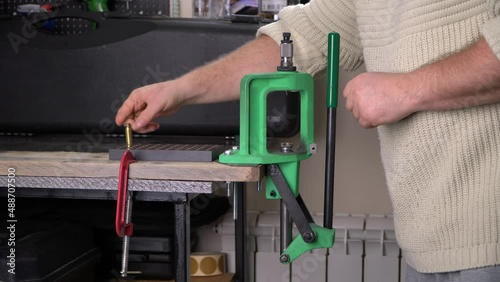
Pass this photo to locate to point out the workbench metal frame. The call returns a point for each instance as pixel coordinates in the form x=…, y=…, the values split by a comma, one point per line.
x=37, y=185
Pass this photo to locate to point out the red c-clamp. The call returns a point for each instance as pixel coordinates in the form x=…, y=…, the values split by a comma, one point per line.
x=123, y=228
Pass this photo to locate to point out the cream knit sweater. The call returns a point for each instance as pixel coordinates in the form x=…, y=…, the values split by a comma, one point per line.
x=442, y=168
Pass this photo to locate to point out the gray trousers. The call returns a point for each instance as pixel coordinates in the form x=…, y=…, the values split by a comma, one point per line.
x=483, y=274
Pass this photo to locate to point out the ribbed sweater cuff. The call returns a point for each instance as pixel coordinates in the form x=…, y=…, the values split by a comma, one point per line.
x=491, y=32
x=454, y=259
x=274, y=30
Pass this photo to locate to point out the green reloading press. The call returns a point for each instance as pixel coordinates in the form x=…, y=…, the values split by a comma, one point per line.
x=282, y=164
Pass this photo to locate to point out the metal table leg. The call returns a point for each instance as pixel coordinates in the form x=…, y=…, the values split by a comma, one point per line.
x=241, y=235
x=182, y=241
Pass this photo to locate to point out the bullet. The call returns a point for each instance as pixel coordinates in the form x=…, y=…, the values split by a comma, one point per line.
x=128, y=135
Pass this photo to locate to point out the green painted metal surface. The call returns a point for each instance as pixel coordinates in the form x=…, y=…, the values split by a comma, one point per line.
x=253, y=146
x=324, y=239
x=333, y=70
x=98, y=5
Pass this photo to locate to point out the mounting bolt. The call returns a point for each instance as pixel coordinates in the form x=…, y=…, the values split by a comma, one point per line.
x=227, y=152
x=309, y=237
x=235, y=148
x=284, y=258
x=286, y=147
x=272, y=170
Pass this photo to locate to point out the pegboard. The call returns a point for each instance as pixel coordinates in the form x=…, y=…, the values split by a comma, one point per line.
x=141, y=7
x=137, y=8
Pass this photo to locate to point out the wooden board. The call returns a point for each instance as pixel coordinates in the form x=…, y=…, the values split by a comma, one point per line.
x=89, y=183
x=97, y=165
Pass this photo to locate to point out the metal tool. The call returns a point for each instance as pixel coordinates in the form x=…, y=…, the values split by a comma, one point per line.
x=331, y=104
x=253, y=147
x=123, y=220
x=283, y=164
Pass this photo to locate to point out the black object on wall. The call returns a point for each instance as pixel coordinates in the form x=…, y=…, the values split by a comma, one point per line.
x=137, y=8
x=66, y=84
x=76, y=83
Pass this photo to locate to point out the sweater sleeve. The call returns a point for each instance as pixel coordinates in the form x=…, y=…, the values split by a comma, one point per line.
x=309, y=26
x=491, y=29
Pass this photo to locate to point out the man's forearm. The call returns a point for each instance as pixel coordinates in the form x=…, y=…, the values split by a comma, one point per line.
x=465, y=79
x=220, y=80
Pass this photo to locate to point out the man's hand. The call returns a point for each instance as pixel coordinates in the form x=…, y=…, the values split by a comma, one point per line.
x=217, y=81
x=381, y=98
x=148, y=103
x=465, y=79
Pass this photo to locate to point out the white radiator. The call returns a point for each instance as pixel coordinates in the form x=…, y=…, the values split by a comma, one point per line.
x=365, y=250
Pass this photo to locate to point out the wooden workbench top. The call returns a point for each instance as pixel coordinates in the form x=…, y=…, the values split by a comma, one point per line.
x=97, y=165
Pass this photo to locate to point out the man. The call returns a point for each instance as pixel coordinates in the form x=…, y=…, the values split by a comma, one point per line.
x=433, y=91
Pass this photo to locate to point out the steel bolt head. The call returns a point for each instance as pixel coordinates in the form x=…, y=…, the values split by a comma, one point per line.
x=227, y=152
x=284, y=259
x=308, y=237
x=286, y=147
x=272, y=170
